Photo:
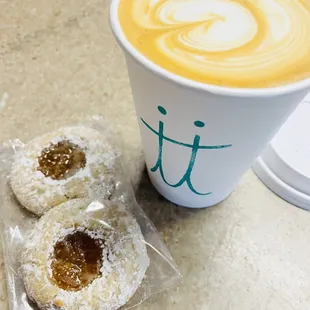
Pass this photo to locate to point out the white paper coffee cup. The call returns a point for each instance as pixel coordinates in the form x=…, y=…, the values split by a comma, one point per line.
x=199, y=139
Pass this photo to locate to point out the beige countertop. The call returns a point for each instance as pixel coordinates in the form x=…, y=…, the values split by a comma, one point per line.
x=59, y=63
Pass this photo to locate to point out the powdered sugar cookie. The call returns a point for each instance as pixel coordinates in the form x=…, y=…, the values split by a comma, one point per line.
x=73, y=261
x=72, y=162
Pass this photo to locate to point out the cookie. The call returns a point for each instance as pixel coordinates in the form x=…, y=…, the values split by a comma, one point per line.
x=72, y=162
x=76, y=258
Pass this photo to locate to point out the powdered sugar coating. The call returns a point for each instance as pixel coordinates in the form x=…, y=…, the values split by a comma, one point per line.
x=39, y=193
x=124, y=256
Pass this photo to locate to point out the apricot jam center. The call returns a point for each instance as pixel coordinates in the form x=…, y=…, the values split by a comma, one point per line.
x=77, y=261
x=62, y=160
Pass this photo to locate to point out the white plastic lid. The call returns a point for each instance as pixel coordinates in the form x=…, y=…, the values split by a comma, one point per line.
x=284, y=166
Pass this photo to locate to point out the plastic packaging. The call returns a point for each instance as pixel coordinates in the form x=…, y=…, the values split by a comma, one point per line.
x=20, y=229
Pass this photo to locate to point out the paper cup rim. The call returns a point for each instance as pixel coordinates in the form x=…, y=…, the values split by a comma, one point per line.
x=191, y=84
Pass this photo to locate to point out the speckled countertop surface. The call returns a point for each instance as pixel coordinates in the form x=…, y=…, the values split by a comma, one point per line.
x=59, y=62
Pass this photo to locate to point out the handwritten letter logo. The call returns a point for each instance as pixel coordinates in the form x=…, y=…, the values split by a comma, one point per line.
x=195, y=147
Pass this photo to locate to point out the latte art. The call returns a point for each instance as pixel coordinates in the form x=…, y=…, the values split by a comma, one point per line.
x=254, y=43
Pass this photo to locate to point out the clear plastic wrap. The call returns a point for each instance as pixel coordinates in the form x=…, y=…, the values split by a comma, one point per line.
x=132, y=261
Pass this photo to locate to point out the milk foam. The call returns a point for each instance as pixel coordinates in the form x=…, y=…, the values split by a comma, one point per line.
x=254, y=43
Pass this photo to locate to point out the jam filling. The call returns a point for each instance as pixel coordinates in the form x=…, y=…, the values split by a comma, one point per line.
x=62, y=160
x=77, y=261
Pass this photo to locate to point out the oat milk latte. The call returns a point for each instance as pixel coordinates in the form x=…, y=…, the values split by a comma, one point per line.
x=234, y=43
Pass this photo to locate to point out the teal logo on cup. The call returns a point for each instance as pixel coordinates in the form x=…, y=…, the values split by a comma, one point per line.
x=195, y=147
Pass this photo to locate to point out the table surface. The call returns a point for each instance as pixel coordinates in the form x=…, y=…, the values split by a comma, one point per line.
x=59, y=62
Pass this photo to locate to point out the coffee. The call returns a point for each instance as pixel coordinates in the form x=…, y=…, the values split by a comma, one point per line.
x=235, y=43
